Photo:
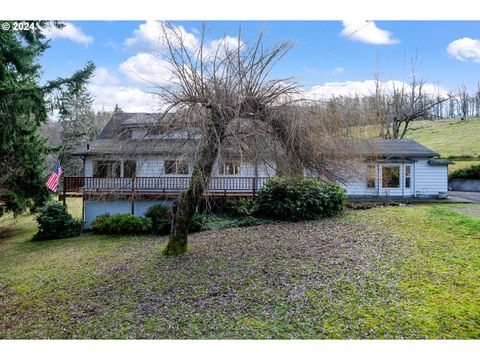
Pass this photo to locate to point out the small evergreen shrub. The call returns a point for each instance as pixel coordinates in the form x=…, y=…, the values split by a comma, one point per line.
x=197, y=223
x=98, y=225
x=54, y=222
x=471, y=173
x=160, y=216
x=298, y=198
x=122, y=224
x=243, y=206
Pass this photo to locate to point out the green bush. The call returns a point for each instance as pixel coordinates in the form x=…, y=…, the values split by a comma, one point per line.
x=54, y=222
x=471, y=173
x=197, y=223
x=160, y=216
x=98, y=225
x=121, y=224
x=298, y=198
x=243, y=206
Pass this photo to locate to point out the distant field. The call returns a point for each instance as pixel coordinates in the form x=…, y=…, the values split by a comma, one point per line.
x=449, y=137
x=462, y=165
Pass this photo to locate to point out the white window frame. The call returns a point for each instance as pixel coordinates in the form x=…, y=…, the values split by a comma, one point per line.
x=399, y=176
x=236, y=165
x=409, y=176
x=176, y=161
x=372, y=166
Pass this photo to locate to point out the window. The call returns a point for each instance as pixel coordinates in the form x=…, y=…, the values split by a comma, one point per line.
x=407, y=176
x=176, y=167
x=391, y=176
x=229, y=168
x=106, y=169
x=129, y=168
x=371, y=176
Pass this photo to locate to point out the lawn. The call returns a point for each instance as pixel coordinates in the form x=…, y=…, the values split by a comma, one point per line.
x=396, y=272
x=448, y=137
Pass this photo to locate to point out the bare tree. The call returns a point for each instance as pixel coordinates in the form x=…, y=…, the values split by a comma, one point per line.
x=463, y=101
x=405, y=103
x=218, y=86
x=477, y=100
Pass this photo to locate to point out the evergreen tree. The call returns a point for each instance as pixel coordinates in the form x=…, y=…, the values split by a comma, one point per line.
x=78, y=124
x=24, y=107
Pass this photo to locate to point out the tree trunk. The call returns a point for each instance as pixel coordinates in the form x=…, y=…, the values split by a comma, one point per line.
x=184, y=208
x=291, y=164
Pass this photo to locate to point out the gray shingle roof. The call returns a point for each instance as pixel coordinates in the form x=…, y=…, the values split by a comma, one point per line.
x=109, y=142
x=393, y=148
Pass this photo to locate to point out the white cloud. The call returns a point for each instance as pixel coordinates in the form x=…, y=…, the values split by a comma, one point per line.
x=107, y=91
x=130, y=99
x=150, y=37
x=223, y=45
x=465, y=49
x=103, y=76
x=362, y=88
x=147, y=69
x=70, y=32
x=368, y=32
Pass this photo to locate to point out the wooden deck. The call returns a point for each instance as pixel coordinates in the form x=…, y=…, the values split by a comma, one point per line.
x=166, y=187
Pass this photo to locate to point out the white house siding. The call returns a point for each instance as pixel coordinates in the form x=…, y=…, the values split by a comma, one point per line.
x=88, y=167
x=357, y=185
x=430, y=180
x=150, y=166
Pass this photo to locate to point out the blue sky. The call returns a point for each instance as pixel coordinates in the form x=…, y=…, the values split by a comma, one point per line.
x=329, y=56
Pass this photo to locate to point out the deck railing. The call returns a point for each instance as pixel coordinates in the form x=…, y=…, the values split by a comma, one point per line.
x=164, y=184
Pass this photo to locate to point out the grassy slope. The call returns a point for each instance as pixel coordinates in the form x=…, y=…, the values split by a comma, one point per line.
x=450, y=138
x=400, y=272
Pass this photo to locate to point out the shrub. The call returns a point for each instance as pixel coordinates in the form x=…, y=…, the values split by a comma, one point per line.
x=161, y=218
x=197, y=223
x=471, y=173
x=243, y=206
x=298, y=198
x=54, y=222
x=121, y=224
x=98, y=225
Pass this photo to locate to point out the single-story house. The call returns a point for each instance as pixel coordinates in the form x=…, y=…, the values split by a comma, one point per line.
x=130, y=167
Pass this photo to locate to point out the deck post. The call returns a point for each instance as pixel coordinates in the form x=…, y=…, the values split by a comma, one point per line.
x=133, y=195
x=64, y=192
x=253, y=187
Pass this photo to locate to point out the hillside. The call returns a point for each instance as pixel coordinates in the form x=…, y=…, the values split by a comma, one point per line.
x=451, y=138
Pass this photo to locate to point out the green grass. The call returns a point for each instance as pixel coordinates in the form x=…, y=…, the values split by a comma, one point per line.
x=462, y=164
x=450, y=138
x=397, y=272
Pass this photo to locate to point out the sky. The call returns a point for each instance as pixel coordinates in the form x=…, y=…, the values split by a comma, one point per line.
x=328, y=57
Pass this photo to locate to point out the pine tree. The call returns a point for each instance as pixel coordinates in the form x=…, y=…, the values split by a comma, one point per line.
x=24, y=107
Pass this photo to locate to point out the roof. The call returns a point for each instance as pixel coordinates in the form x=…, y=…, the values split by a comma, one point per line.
x=440, y=162
x=393, y=148
x=114, y=139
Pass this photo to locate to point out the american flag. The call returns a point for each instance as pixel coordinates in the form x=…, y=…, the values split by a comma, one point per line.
x=52, y=182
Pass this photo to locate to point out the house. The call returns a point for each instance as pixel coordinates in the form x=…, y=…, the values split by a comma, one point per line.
x=133, y=165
